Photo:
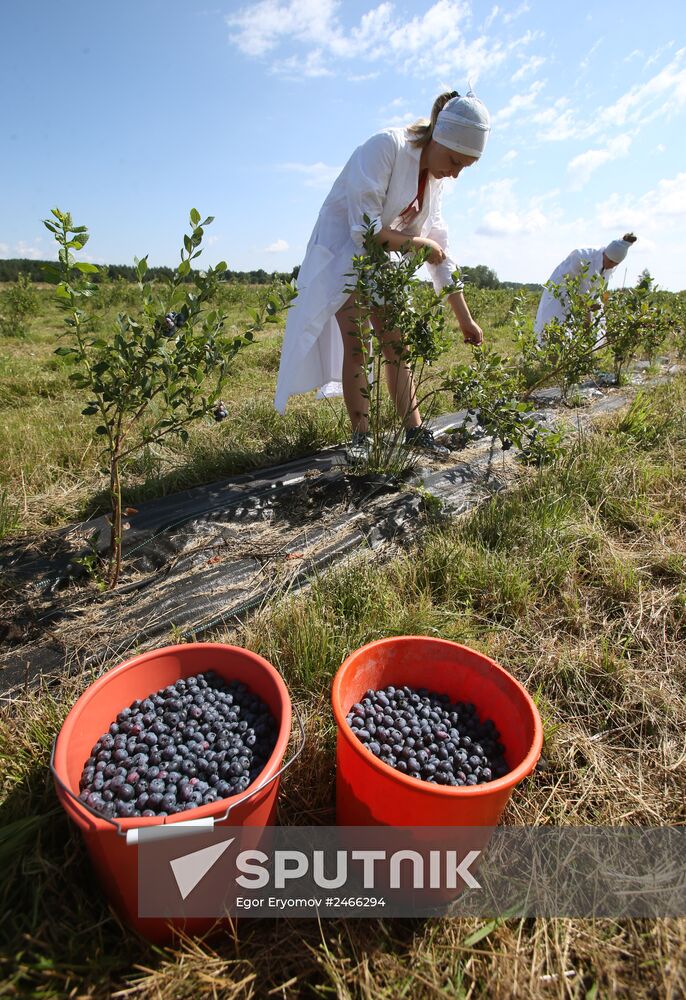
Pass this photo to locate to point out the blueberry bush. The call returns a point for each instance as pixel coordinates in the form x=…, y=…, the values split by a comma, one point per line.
x=636, y=321
x=162, y=368
x=389, y=288
x=18, y=306
x=569, y=348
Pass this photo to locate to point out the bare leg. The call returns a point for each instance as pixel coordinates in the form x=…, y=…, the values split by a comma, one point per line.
x=399, y=378
x=353, y=377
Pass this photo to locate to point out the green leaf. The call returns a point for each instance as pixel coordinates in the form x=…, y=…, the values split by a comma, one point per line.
x=479, y=935
x=184, y=268
x=51, y=271
x=85, y=268
x=64, y=351
x=101, y=429
x=89, y=411
x=195, y=216
x=80, y=241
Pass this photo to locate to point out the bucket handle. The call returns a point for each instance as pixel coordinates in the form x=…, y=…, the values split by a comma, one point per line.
x=182, y=826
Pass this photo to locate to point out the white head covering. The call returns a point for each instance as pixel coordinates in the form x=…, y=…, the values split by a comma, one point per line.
x=463, y=125
x=617, y=250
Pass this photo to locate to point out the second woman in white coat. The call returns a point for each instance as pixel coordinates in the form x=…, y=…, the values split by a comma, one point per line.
x=396, y=180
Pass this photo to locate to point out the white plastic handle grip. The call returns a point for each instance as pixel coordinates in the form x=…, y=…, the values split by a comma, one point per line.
x=185, y=826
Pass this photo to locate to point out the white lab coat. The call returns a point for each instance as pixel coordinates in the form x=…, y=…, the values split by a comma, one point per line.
x=551, y=308
x=379, y=180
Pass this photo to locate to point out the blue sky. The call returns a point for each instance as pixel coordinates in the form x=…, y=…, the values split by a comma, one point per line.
x=130, y=113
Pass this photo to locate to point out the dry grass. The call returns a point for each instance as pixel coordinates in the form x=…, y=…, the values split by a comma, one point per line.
x=576, y=582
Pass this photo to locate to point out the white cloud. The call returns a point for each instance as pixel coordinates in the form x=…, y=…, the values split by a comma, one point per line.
x=656, y=55
x=513, y=223
x=277, y=247
x=257, y=29
x=497, y=194
x=491, y=17
x=504, y=215
x=557, y=121
x=582, y=166
x=529, y=66
x=583, y=65
x=436, y=43
x=663, y=95
x=4, y=250
x=510, y=155
x=522, y=9
x=31, y=251
x=319, y=175
x=660, y=209
x=518, y=103
x=298, y=67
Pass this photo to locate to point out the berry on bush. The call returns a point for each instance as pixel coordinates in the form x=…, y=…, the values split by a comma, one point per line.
x=220, y=412
x=428, y=737
x=157, y=762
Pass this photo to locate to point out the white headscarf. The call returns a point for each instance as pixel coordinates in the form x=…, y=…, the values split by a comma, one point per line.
x=463, y=125
x=617, y=250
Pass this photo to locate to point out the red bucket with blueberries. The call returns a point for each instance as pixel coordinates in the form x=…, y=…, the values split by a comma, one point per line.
x=194, y=732
x=430, y=733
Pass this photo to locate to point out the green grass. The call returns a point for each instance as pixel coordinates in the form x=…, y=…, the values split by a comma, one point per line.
x=575, y=580
x=582, y=602
x=51, y=470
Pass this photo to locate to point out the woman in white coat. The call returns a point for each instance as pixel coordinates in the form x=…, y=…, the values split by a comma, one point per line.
x=595, y=265
x=395, y=178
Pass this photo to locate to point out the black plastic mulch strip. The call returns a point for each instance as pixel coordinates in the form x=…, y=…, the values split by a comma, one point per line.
x=191, y=590
x=45, y=562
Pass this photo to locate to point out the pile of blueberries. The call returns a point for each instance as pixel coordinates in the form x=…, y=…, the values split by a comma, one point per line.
x=192, y=743
x=171, y=322
x=220, y=412
x=426, y=736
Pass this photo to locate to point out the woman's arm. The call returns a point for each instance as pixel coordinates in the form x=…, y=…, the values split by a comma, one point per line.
x=394, y=240
x=472, y=332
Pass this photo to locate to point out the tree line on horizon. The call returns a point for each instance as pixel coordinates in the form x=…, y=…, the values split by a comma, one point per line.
x=480, y=276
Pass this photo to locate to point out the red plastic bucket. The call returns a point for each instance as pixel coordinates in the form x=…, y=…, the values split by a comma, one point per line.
x=115, y=860
x=369, y=792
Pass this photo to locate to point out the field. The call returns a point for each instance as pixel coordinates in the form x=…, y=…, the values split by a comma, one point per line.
x=575, y=580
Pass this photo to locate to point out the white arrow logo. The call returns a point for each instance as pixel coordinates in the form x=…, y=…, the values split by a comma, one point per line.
x=190, y=868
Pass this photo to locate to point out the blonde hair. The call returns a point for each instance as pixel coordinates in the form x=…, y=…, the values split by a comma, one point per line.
x=423, y=129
